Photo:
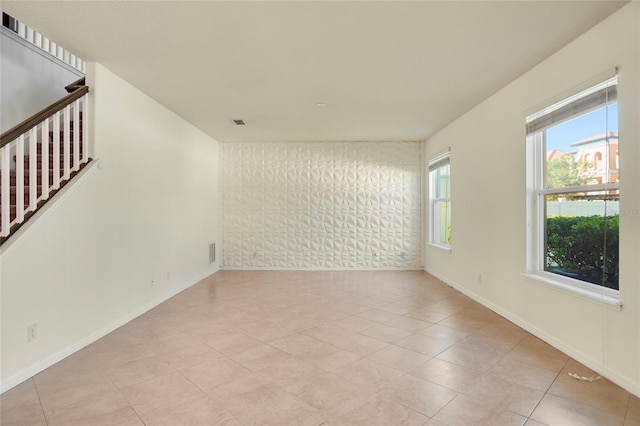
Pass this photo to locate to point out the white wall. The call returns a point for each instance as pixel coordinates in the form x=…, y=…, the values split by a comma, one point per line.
x=322, y=205
x=86, y=265
x=488, y=172
x=30, y=79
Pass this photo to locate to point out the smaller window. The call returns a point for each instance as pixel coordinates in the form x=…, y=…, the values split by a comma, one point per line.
x=598, y=161
x=440, y=201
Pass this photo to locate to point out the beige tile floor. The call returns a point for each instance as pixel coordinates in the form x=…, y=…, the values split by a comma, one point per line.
x=318, y=348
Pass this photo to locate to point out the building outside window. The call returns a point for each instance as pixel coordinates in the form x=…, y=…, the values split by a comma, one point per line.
x=573, y=190
x=440, y=201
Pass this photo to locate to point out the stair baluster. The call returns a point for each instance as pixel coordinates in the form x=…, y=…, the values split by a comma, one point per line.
x=39, y=156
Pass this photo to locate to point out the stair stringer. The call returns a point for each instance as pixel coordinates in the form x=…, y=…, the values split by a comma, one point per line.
x=51, y=203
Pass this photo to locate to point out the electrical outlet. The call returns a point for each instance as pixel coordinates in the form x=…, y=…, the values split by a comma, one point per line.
x=168, y=275
x=153, y=282
x=32, y=332
x=479, y=278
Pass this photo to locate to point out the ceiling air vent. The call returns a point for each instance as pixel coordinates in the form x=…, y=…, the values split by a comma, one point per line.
x=238, y=122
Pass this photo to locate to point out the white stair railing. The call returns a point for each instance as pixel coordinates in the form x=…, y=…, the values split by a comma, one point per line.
x=39, y=155
x=46, y=45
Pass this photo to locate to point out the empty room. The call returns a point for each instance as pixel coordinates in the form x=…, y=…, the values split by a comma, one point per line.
x=320, y=213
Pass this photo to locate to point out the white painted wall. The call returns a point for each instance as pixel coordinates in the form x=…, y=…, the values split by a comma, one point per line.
x=488, y=173
x=322, y=205
x=30, y=79
x=149, y=212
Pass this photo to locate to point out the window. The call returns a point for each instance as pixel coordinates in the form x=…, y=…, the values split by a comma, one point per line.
x=598, y=161
x=440, y=201
x=573, y=193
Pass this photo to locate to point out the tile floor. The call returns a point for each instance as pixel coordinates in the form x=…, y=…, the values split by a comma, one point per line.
x=318, y=348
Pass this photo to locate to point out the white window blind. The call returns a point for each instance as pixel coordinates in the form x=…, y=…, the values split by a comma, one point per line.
x=439, y=161
x=595, y=97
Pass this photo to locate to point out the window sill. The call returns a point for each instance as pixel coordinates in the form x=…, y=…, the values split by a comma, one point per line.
x=440, y=246
x=611, y=302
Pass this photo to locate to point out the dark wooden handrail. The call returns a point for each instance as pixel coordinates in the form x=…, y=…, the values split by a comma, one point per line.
x=70, y=88
x=13, y=133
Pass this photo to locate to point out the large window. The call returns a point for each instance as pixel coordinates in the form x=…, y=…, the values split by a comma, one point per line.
x=440, y=201
x=574, y=193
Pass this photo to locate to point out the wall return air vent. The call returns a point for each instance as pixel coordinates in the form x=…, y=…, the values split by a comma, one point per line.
x=238, y=122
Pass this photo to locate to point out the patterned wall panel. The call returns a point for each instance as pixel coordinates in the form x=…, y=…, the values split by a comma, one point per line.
x=321, y=205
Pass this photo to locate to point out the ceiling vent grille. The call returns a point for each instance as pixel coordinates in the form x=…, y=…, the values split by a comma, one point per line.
x=238, y=122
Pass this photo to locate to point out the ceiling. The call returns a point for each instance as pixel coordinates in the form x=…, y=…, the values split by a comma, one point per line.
x=389, y=70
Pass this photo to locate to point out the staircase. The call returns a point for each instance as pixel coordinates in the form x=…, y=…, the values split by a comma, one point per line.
x=40, y=170
x=40, y=156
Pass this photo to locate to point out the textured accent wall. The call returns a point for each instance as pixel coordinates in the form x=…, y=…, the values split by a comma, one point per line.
x=321, y=205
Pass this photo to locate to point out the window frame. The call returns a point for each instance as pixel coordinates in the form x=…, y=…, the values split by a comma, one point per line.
x=435, y=222
x=535, y=205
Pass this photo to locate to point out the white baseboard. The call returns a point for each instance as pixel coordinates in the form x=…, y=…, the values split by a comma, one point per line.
x=615, y=377
x=34, y=369
x=303, y=269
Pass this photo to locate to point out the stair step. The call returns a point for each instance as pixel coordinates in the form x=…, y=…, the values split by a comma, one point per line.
x=40, y=156
x=71, y=123
x=62, y=136
x=13, y=179
x=13, y=207
x=13, y=191
x=39, y=148
x=39, y=160
x=12, y=213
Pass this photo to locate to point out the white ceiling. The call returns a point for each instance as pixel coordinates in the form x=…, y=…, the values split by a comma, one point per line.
x=386, y=70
